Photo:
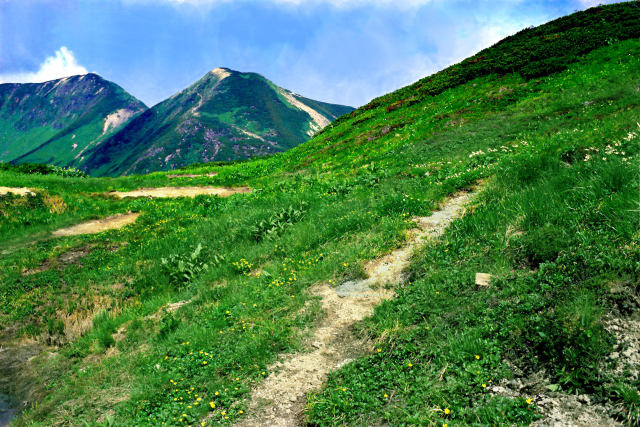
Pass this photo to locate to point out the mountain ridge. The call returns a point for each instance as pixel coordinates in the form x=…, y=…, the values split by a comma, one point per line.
x=55, y=121
x=225, y=115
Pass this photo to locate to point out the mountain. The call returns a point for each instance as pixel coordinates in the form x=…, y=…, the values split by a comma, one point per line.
x=226, y=115
x=56, y=121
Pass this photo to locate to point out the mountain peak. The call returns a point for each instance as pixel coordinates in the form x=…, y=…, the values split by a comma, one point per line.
x=226, y=115
x=221, y=73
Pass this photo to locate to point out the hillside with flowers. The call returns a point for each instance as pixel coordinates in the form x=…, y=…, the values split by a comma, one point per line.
x=496, y=203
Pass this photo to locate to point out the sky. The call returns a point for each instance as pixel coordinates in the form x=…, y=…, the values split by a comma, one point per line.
x=340, y=51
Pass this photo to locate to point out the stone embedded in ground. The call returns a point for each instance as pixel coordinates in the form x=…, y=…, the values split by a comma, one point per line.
x=483, y=279
x=355, y=289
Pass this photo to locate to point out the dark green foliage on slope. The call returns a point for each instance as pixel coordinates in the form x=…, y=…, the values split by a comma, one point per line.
x=55, y=121
x=226, y=115
x=533, y=52
x=42, y=169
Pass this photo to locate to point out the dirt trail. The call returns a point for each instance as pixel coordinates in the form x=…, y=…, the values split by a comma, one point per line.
x=279, y=399
x=97, y=226
x=191, y=175
x=171, y=192
x=20, y=191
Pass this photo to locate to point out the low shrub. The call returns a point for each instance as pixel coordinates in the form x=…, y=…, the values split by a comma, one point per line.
x=42, y=169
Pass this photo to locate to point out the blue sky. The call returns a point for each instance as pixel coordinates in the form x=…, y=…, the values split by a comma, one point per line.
x=342, y=51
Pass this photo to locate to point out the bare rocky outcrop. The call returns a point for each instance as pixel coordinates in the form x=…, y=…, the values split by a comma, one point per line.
x=117, y=119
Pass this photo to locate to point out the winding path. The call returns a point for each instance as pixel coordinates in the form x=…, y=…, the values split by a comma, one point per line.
x=279, y=399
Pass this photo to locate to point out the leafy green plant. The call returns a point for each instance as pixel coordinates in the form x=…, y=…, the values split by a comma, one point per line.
x=184, y=268
x=274, y=225
x=168, y=324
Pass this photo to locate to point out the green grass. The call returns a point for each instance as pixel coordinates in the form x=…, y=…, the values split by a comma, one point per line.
x=556, y=225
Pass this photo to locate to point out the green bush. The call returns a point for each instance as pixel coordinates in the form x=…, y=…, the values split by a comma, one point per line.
x=42, y=169
x=542, y=245
x=545, y=67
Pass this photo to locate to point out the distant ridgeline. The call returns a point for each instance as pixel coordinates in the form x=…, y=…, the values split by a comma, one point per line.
x=58, y=121
x=532, y=52
x=90, y=123
x=226, y=115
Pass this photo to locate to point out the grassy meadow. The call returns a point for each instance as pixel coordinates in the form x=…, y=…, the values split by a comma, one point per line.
x=178, y=316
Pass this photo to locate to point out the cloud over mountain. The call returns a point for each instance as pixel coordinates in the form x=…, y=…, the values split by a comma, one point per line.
x=62, y=63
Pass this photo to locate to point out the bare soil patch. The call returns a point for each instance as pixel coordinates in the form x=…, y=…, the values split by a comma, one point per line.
x=20, y=191
x=97, y=226
x=557, y=408
x=72, y=256
x=173, y=192
x=279, y=399
x=190, y=175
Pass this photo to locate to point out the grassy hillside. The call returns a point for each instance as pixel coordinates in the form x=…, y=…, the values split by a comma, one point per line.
x=226, y=115
x=56, y=121
x=127, y=339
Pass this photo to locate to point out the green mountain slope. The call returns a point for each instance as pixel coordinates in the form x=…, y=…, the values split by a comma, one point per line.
x=57, y=121
x=226, y=115
x=531, y=53
x=143, y=326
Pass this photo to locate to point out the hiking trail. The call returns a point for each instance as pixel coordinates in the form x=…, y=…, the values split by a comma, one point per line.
x=279, y=399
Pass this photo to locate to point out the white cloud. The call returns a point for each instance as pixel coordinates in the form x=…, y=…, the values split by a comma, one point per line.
x=62, y=64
